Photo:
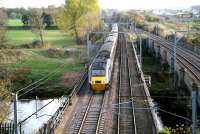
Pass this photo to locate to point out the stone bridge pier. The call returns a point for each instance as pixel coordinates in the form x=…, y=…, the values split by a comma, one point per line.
x=182, y=77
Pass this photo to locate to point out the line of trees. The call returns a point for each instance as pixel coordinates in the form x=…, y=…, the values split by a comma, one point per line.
x=46, y=18
x=26, y=14
x=3, y=20
x=4, y=78
x=76, y=17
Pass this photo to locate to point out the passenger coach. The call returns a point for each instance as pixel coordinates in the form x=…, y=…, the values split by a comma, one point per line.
x=101, y=68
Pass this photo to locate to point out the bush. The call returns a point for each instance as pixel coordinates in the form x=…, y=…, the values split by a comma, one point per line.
x=54, y=53
x=165, y=131
x=10, y=56
x=20, y=77
x=34, y=44
x=5, y=99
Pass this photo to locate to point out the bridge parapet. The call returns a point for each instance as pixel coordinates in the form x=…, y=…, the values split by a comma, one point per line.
x=157, y=123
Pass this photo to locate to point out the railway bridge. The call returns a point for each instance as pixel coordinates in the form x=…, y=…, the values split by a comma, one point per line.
x=127, y=106
x=123, y=109
x=188, y=63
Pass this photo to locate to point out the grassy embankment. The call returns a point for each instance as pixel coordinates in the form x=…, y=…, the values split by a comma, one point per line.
x=41, y=61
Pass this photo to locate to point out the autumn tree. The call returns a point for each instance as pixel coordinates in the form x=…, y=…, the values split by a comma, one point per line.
x=5, y=97
x=3, y=19
x=138, y=19
x=78, y=17
x=36, y=22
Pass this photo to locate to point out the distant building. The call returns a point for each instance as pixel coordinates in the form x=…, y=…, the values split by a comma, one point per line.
x=196, y=11
x=196, y=8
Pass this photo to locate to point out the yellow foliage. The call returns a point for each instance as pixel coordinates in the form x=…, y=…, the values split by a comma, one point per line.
x=5, y=98
x=78, y=17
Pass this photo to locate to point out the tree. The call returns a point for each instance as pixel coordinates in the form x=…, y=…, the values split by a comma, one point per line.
x=47, y=19
x=36, y=22
x=75, y=17
x=25, y=19
x=138, y=19
x=4, y=93
x=5, y=98
x=3, y=19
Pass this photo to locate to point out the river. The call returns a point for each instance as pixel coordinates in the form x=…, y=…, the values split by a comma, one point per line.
x=28, y=107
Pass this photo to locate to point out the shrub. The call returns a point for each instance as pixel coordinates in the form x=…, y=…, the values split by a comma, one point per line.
x=20, y=77
x=55, y=53
x=165, y=131
x=34, y=44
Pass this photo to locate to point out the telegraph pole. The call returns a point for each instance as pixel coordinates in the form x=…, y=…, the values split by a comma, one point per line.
x=15, y=113
x=175, y=44
x=36, y=107
x=88, y=45
x=194, y=108
x=140, y=52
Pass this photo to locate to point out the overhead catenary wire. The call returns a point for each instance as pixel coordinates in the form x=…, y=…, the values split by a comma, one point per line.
x=43, y=78
x=147, y=108
x=42, y=82
x=37, y=111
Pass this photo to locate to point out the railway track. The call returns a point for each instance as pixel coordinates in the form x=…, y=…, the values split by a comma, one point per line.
x=126, y=114
x=134, y=113
x=185, y=58
x=88, y=115
x=90, y=123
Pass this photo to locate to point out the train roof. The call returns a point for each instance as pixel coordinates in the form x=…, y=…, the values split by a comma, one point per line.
x=104, y=53
x=110, y=38
x=106, y=47
x=99, y=63
x=102, y=56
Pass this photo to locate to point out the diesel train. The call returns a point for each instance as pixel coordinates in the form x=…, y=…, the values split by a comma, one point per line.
x=100, y=69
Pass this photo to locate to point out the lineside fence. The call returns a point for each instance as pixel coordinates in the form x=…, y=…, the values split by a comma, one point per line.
x=49, y=127
x=150, y=102
x=7, y=128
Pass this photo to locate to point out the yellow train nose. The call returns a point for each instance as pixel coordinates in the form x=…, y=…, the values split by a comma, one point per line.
x=98, y=83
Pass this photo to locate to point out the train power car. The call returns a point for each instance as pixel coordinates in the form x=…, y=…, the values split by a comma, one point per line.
x=102, y=65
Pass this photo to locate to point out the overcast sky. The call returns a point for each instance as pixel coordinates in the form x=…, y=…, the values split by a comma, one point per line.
x=120, y=4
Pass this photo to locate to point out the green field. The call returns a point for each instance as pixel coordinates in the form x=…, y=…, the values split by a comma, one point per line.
x=35, y=60
x=53, y=37
x=14, y=22
x=41, y=67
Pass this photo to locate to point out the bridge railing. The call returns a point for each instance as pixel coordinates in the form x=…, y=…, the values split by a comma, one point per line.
x=53, y=122
x=150, y=102
x=7, y=128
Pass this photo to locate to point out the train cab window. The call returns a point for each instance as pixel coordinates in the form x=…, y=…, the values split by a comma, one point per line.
x=98, y=72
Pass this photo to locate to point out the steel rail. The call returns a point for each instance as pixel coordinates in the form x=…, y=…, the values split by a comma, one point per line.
x=186, y=52
x=191, y=55
x=197, y=77
x=146, y=91
x=125, y=67
x=100, y=116
x=130, y=83
x=94, y=116
x=85, y=115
